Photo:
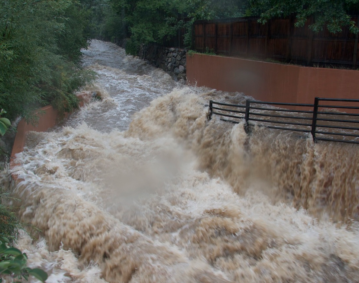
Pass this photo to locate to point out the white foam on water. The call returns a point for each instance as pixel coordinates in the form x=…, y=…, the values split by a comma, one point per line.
x=171, y=197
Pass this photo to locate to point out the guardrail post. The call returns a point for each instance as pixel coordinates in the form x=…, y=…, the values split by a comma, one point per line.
x=248, y=107
x=314, y=120
x=210, y=110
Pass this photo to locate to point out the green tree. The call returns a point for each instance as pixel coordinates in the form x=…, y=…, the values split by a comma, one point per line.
x=40, y=44
x=75, y=32
x=332, y=14
x=104, y=22
x=158, y=20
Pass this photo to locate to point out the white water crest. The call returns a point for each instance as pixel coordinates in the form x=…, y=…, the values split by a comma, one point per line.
x=140, y=187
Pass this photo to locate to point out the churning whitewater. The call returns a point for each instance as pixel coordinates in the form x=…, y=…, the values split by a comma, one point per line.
x=140, y=187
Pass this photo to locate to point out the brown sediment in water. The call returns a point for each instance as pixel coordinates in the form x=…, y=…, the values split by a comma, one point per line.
x=179, y=199
x=319, y=177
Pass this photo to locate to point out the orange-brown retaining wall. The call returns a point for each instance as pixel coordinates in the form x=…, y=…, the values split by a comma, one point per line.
x=48, y=118
x=271, y=82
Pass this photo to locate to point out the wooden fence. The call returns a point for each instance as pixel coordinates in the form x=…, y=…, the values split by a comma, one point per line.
x=278, y=39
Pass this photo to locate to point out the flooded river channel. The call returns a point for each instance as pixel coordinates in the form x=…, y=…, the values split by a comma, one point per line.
x=140, y=187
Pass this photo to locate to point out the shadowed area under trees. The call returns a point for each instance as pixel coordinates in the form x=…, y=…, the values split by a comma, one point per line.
x=157, y=21
x=136, y=22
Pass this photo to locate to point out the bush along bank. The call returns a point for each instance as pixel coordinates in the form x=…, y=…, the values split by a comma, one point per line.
x=13, y=263
x=171, y=60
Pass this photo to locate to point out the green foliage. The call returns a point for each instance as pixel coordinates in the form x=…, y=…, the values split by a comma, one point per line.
x=66, y=78
x=209, y=51
x=13, y=263
x=132, y=47
x=157, y=21
x=40, y=44
x=191, y=52
x=4, y=123
x=75, y=33
x=104, y=22
x=149, y=21
x=8, y=221
x=332, y=14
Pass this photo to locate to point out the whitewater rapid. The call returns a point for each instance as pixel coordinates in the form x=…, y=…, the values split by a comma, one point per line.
x=140, y=187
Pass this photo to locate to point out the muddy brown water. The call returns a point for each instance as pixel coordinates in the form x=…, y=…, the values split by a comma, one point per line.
x=142, y=188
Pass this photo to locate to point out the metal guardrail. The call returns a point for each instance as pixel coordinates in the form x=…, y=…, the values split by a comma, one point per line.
x=322, y=124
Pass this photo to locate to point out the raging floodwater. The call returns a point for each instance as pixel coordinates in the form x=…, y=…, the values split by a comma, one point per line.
x=170, y=197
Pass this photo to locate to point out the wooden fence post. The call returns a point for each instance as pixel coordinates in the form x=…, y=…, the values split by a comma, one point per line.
x=194, y=37
x=355, y=47
x=290, y=39
x=231, y=39
x=310, y=46
x=204, y=37
x=355, y=51
x=248, y=31
x=267, y=39
x=216, y=38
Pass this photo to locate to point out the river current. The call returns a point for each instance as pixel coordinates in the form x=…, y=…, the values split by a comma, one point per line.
x=140, y=187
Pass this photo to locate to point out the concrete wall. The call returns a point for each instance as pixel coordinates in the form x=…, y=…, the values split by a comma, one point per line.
x=271, y=81
x=48, y=118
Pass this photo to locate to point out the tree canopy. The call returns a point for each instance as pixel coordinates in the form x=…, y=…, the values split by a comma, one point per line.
x=332, y=14
x=40, y=40
x=40, y=44
x=157, y=20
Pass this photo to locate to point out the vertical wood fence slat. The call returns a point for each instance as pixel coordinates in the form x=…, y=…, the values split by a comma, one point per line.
x=248, y=35
x=310, y=48
x=289, y=39
x=355, y=52
x=267, y=39
x=231, y=39
x=204, y=37
x=193, y=45
x=310, y=40
x=216, y=38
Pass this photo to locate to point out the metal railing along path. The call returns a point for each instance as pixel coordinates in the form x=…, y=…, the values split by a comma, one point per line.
x=324, y=122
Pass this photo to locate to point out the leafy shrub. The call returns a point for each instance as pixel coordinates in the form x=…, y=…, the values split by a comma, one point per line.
x=13, y=263
x=8, y=221
x=40, y=44
x=132, y=47
x=4, y=123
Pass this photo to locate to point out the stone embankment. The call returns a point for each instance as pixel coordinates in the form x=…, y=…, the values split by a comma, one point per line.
x=171, y=60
